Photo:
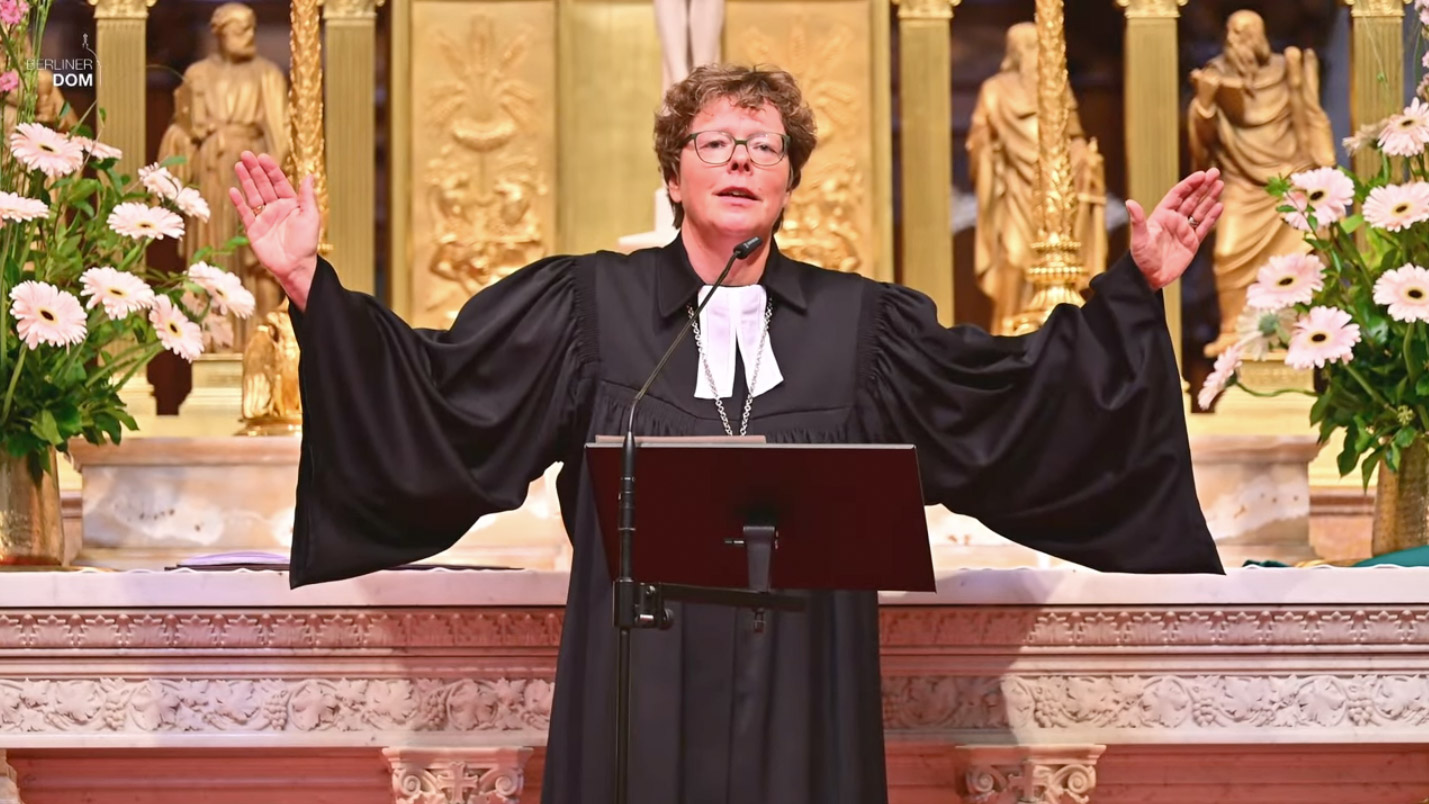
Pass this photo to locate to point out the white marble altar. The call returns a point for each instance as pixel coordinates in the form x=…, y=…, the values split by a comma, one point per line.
x=1255, y=493
x=154, y=501
x=1266, y=685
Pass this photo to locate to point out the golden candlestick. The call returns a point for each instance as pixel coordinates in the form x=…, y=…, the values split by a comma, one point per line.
x=1058, y=271
x=271, y=401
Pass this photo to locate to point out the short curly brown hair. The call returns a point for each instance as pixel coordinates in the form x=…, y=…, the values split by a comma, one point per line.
x=745, y=87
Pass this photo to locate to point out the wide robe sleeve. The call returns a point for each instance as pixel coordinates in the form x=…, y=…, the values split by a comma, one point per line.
x=410, y=435
x=1070, y=440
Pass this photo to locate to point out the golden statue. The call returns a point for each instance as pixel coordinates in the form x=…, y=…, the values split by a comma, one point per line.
x=1003, y=148
x=232, y=101
x=271, y=399
x=1256, y=116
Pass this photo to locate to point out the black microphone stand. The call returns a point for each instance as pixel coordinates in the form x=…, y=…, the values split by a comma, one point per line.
x=641, y=605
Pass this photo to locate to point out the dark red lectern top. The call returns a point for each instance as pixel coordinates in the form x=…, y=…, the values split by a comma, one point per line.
x=848, y=516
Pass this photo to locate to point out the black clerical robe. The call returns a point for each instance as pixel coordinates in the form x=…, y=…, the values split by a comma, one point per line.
x=1070, y=440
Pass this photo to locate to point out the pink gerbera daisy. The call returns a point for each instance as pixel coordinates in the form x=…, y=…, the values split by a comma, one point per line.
x=97, y=149
x=192, y=204
x=136, y=220
x=46, y=150
x=45, y=314
x=158, y=180
x=1407, y=133
x=1226, y=366
x=176, y=332
x=1397, y=206
x=1324, y=335
x=9, y=81
x=20, y=208
x=120, y=292
x=227, y=290
x=1405, y=290
x=1327, y=191
x=1285, y=280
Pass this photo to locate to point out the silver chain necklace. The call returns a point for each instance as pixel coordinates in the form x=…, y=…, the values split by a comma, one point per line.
x=753, y=380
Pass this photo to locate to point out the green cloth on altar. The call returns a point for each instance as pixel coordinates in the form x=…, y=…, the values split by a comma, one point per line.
x=1413, y=557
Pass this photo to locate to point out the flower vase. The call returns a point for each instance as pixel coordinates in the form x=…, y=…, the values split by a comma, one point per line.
x=1401, y=503
x=31, y=527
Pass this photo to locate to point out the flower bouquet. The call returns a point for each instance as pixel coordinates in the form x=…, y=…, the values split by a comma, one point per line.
x=1354, y=310
x=82, y=312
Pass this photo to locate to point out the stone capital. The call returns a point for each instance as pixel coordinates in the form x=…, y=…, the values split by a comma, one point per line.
x=121, y=9
x=1029, y=774
x=1377, y=8
x=926, y=9
x=457, y=775
x=1151, y=9
x=350, y=9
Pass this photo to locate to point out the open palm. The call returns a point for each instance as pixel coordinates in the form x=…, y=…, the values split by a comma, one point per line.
x=282, y=226
x=1164, y=244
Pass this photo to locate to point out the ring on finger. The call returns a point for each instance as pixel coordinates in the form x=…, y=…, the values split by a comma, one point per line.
x=1192, y=220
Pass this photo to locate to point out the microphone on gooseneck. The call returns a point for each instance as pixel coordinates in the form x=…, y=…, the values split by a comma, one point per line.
x=629, y=603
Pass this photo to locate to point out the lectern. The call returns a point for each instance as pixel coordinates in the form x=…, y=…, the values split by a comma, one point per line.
x=743, y=524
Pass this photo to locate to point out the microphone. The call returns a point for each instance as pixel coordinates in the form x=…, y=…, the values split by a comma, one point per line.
x=629, y=601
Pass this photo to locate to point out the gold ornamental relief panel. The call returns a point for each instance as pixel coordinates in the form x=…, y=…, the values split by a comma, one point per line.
x=832, y=218
x=482, y=149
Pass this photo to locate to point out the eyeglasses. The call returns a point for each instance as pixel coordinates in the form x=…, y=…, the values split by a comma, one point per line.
x=765, y=148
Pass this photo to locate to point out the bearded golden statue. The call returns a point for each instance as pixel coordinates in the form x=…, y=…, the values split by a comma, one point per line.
x=231, y=102
x=1256, y=116
x=1003, y=150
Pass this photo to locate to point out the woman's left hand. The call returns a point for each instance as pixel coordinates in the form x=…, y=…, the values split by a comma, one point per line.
x=1164, y=244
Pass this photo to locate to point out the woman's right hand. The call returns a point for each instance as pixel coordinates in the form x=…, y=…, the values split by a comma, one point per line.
x=282, y=226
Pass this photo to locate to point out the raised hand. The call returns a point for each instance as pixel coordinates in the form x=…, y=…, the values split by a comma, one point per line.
x=282, y=226
x=1164, y=244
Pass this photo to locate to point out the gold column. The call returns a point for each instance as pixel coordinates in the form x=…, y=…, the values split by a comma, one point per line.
x=925, y=79
x=1058, y=269
x=119, y=80
x=305, y=104
x=1376, y=68
x=1153, y=131
x=351, y=29
x=609, y=90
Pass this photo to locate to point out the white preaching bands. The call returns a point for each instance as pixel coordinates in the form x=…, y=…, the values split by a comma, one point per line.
x=735, y=321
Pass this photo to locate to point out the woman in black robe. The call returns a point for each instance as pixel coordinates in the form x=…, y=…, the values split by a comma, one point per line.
x=1070, y=440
